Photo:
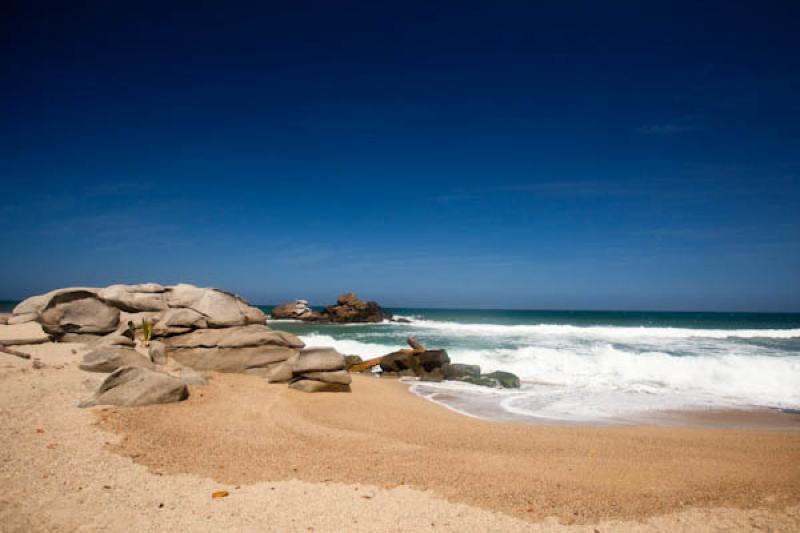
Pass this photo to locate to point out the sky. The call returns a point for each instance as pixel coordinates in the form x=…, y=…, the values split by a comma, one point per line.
x=539, y=155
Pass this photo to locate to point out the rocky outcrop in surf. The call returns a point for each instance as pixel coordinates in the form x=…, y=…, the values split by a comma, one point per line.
x=433, y=365
x=348, y=308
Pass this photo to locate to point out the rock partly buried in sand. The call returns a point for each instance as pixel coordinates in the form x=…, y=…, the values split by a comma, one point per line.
x=4, y=318
x=78, y=312
x=235, y=349
x=157, y=352
x=222, y=309
x=280, y=373
x=111, y=358
x=297, y=310
x=309, y=385
x=138, y=386
x=27, y=333
x=191, y=376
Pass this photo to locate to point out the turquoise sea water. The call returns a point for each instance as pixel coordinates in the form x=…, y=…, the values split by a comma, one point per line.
x=594, y=365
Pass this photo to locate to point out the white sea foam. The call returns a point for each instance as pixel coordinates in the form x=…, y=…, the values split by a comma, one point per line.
x=616, y=332
x=348, y=346
x=597, y=373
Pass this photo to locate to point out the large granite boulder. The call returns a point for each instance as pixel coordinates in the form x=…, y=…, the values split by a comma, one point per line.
x=78, y=311
x=234, y=349
x=138, y=386
x=222, y=309
x=349, y=308
x=111, y=358
x=316, y=360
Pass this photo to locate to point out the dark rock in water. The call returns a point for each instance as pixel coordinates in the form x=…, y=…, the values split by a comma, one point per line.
x=350, y=360
x=138, y=386
x=507, y=380
x=310, y=385
x=458, y=371
x=435, y=374
x=426, y=364
x=482, y=381
x=401, y=320
x=433, y=359
x=349, y=308
x=111, y=358
x=399, y=361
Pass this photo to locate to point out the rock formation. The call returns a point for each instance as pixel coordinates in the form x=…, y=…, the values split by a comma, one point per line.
x=314, y=370
x=130, y=386
x=348, y=309
x=191, y=327
x=299, y=310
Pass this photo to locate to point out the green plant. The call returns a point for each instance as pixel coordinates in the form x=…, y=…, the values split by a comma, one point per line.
x=147, y=331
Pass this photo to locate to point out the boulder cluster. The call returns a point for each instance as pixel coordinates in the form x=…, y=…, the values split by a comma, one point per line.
x=348, y=309
x=431, y=365
x=181, y=329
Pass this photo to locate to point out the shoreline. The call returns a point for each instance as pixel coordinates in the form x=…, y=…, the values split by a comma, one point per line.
x=379, y=458
x=734, y=418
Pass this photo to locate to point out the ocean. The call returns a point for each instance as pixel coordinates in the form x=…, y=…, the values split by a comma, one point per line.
x=593, y=366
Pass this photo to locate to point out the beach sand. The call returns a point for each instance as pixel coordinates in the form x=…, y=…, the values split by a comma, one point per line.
x=379, y=459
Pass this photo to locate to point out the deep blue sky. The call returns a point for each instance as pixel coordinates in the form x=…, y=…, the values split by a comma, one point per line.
x=504, y=154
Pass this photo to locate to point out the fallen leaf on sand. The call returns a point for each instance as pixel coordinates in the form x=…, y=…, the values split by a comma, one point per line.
x=39, y=430
x=366, y=496
x=220, y=494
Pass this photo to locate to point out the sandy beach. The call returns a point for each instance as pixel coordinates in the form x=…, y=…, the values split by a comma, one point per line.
x=379, y=459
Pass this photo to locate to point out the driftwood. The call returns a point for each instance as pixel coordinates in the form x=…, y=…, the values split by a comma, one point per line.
x=416, y=347
x=365, y=365
x=10, y=351
x=415, y=344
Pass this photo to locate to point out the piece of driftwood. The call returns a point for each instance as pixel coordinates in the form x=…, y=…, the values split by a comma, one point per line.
x=10, y=351
x=365, y=365
x=415, y=344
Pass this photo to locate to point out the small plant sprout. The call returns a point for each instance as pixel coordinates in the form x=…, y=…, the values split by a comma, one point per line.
x=147, y=331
